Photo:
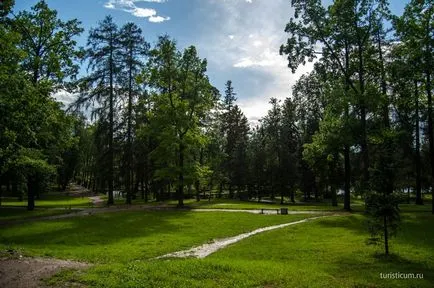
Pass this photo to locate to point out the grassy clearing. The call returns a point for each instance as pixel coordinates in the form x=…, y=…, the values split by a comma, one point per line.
x=329, y=252
x=126, y=236
x=11, y=214
x=238, y=204
x=51, y=201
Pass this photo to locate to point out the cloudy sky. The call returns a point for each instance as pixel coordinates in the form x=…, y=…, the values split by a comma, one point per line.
x=239, y=38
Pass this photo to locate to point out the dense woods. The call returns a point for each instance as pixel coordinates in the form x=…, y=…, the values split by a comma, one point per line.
x=147, y=121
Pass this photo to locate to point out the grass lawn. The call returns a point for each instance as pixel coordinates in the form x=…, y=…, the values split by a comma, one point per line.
x=50, y=201
x=21, y=213
x=237, y=204
x=126, y=236
x=329, y=252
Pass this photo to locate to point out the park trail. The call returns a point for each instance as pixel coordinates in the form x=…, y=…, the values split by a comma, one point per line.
x=209, y=248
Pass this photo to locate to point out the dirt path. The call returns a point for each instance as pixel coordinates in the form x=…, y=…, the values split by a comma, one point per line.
x=97, y=201
x=22, y=272
x=209, y=248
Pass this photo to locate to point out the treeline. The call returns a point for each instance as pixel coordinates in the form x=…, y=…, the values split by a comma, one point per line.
x=38, y=140
x=360, y=122
x=365, y=111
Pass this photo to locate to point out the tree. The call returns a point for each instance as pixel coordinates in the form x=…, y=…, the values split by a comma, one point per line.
x=415, y=30
x=37, y=130
x=310, y=102
x=272, y=125
x=183, y=98
x=49, y=43
x=103, y=55
x=289, y=146
x=384, y=218
x=134, y=49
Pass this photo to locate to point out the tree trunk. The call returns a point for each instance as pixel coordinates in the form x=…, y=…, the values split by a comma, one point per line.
x=146, y=186
x=31, y=193
x=129, y=128
x=363, y=127
x=110, y=200
x=347, y=184
x=197, y=185
x=347, y=163
x=142, y=188
x=181, y=176
x=430, y=134
x=419, y=200
x=386, y=236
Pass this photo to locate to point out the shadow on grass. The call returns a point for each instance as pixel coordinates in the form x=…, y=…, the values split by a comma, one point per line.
x=97, y=238
x=377, y=269
x=110, y=227
x=354, y=223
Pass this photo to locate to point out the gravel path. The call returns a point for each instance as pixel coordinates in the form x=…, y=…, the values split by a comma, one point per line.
x=97, y=201
x=209, y=248
x=259, y=211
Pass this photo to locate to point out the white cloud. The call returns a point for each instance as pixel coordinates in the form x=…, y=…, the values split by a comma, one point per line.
x=130, y=7
x=144, y=12
x=158, y=19
x=65, y=97
x=231, y=37
x=251, y=59
x=109, y=5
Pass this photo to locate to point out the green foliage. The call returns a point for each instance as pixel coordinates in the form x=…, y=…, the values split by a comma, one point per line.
x=49, y=44
x=38, y=132
x=183, y=97
x=384, y=217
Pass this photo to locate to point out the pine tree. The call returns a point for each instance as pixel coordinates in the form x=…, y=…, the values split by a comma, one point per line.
x=103, y=57
x=133, y=49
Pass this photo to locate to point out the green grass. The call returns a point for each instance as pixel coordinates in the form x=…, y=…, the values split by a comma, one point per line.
x=237, y=204
x=127, y=236
x=12, y=214
x=329, y=252
x=51, y=201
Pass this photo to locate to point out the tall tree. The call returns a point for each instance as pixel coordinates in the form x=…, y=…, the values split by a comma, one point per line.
x=415, y=30
x=184, y=97
x=45, y=50
x=134, y=49
x=103, y=57
x=344, y=29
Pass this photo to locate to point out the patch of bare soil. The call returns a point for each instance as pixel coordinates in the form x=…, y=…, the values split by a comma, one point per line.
x=24, y=272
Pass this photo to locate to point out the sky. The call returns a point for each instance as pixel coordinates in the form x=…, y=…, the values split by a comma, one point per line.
x=239, y=38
